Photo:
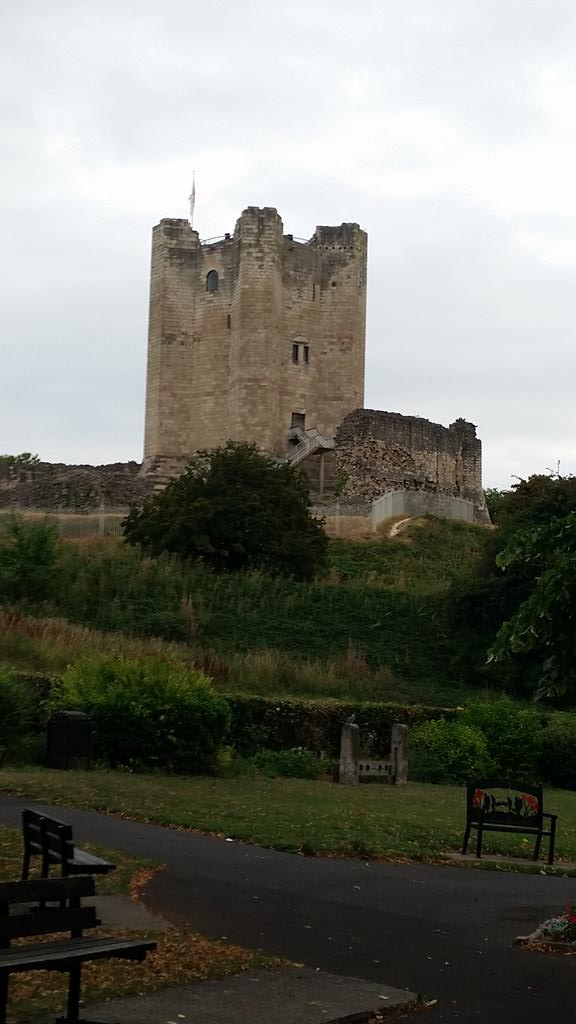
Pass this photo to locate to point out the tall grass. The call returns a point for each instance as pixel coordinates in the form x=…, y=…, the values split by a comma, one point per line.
x=49, y=645
x=376, y=627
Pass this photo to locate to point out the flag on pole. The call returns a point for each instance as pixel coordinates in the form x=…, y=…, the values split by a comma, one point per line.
x=192, y=199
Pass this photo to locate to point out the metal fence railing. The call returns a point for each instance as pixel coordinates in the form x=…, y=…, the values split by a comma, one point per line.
x=72, y=523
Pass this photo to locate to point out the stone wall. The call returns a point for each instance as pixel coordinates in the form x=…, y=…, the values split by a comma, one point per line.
x=220, y=362
x=55, y=486
x=377, y=452
x=421, y=503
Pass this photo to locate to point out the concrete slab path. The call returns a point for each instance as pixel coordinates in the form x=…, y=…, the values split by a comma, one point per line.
x=288, y=996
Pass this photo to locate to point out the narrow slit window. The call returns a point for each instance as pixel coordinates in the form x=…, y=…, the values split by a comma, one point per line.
x=228, y=321
x=306, y=351
x=295, y=353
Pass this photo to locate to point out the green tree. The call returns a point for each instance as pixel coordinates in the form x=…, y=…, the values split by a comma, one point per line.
x=235, y=509
x=542, y=631
x=25, y=459
x=29, y=554
x=495, y=501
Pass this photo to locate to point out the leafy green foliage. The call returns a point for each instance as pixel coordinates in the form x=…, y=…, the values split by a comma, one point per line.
x=443, y=751
x=496, y=502
x=28, y=560
x=513, y=734
x=296, y=763
x=537, y=500
x=542, y=631
x=273, y=724
x=18, y=711
x=234, y=509
x=146, y=713
x=504, y=580
x=558, y=750
x=24, y=460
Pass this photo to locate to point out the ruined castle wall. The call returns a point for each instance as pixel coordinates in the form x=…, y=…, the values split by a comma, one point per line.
x=378, y=452
x=220, y=364
x=52, y=486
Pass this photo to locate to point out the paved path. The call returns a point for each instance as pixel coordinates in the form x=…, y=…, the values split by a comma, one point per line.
x=446, y=932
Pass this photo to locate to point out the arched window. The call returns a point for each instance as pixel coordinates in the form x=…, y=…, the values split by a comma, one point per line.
x=212, y=281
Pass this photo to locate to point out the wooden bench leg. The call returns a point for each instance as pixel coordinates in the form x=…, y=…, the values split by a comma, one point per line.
x=466, y=838
x=537, y=847
x=479, y=842
x=26, y=865
x=552, y=841
x=73, y=1006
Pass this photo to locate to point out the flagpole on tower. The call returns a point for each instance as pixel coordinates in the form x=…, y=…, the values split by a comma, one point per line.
x=192, y=199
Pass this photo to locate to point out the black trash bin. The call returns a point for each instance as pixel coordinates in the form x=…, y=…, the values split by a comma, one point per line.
x=69, y=740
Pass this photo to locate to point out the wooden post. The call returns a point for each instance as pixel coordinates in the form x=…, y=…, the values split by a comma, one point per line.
x=349, y=754
x=399, y=752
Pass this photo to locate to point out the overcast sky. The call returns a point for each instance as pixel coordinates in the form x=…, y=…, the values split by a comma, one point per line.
x=446, y=128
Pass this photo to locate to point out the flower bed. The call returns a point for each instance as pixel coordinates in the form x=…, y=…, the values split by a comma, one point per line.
x=558, y=934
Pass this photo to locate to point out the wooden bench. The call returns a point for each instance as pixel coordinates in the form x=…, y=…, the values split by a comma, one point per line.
x=515, y=808
x=52, y=841
x=56, y=907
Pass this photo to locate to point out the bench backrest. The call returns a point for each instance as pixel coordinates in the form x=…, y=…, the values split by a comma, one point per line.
x=50, y=905
x=505, y=803
x=48, y=837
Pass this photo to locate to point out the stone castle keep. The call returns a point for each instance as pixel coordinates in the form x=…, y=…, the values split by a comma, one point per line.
x=260, y=337
x=252, y=336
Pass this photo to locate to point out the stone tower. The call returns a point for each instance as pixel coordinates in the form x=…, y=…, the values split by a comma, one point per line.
x=255, y=336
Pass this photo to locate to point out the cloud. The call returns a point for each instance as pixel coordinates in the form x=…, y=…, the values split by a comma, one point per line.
x=447, y=131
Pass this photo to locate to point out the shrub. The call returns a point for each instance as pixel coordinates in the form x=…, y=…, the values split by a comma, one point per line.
x=281, y=724
x=147, y=713
x=558, y=750
x=513, y=734
x=18, y=711
x=28, y=560
x=443, y=751
x=296, y=763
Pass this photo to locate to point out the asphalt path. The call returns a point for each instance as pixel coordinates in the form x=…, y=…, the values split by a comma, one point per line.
x=445, y=932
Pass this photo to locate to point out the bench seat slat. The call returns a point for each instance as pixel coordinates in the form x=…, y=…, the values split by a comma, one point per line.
x=60, y=956
x=46, y=922
x=46, y=890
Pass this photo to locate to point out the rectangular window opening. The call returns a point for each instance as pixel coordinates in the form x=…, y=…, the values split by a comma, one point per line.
x=295, y=353
x=228, y=321
x=306, y=353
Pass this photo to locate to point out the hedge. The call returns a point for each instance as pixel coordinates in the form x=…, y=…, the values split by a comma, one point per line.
x=269, y=723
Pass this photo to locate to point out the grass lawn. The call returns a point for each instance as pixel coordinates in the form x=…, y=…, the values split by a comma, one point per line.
x=416, y=821
x=180, y=958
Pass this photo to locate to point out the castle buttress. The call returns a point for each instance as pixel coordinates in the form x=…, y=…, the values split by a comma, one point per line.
x=255, y=336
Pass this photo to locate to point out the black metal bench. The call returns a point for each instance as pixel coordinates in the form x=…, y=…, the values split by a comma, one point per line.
x=56, y=907
x=52, y=841
x=510, y=807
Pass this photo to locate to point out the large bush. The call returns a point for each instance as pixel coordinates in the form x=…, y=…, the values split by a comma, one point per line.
x=558, y=750
x=234, y=509
x=147, y=713
x=444, y=751
x=513, y=735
